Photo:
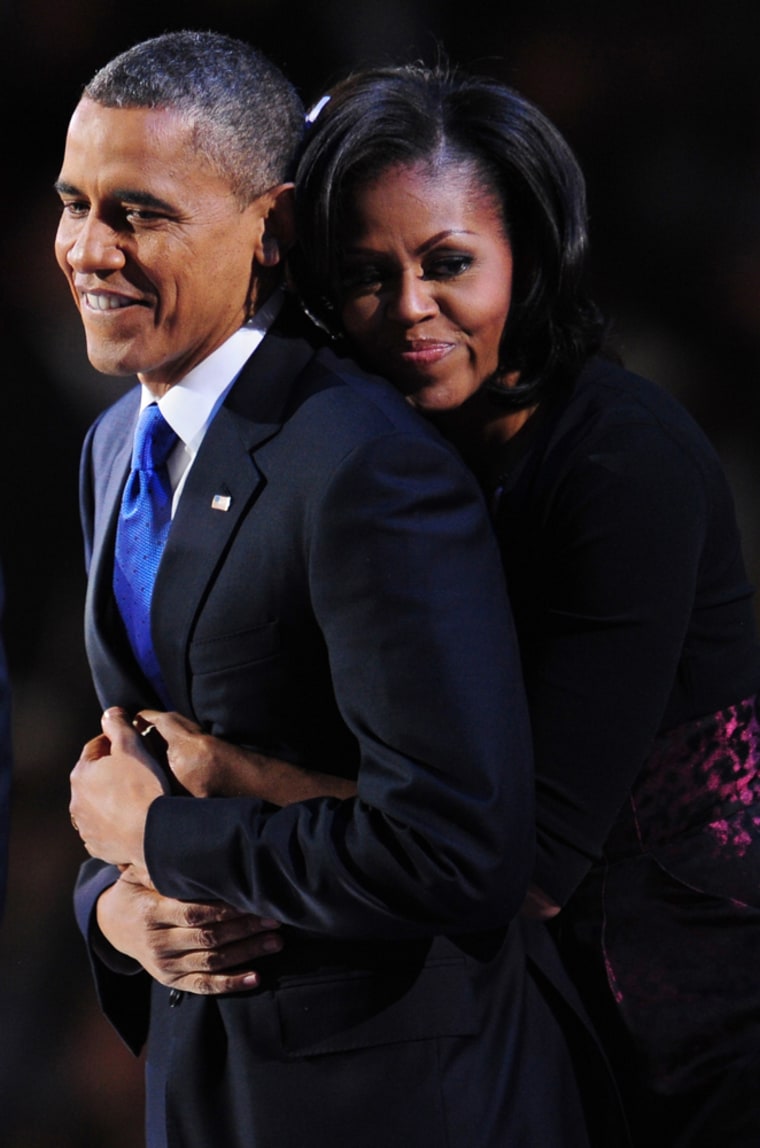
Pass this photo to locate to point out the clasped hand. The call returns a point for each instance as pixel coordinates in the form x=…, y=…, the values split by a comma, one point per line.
x=112, y=786
x=199, y=947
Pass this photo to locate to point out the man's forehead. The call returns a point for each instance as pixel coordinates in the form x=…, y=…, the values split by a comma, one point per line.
x=133, y=127
x=136, y=149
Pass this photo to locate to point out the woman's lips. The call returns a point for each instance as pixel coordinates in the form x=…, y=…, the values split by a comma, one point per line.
x=425, y=352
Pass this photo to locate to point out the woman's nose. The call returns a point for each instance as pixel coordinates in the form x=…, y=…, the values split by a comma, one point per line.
x=412, y=300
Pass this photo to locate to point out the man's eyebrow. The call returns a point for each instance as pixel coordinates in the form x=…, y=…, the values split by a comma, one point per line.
x=141, y=199
x=64, y=188
x=123, y=194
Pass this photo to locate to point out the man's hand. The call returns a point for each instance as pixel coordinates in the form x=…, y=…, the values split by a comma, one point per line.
x=208, y=766
x=198, y=947
x=112, y=786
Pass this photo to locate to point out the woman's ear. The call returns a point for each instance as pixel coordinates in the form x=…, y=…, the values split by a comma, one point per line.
x=278, y=230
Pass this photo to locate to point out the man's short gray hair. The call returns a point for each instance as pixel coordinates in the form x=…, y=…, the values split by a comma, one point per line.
x=247, y=118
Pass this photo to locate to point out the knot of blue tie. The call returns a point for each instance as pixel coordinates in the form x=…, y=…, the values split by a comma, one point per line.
x=141, y=534
x=154, y=441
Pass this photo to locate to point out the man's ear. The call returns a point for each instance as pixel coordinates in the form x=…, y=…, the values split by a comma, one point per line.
x=278, y=224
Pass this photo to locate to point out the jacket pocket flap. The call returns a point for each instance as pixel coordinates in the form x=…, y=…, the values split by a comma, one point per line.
x=338, y=1013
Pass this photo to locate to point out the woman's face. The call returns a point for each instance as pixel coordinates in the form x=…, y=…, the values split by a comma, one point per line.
x=427, y=281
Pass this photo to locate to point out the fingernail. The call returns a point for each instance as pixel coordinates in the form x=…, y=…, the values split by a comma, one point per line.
x=250, y=980
x=269, y=923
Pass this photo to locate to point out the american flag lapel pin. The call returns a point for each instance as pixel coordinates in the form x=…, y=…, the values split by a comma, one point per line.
x=221, y=502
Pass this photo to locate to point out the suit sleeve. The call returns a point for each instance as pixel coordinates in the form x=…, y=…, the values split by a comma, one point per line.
x=407, y=587
x=123, y=989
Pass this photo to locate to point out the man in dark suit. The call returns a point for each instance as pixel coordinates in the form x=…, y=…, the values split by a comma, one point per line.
x=329, y=593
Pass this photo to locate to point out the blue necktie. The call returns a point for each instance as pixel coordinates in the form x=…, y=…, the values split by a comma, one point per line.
x=141, y=534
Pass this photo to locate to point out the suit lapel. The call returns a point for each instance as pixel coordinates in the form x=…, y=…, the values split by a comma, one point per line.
x=225, y=469
x=112, y=471
x=116, y=675
x=198, y=539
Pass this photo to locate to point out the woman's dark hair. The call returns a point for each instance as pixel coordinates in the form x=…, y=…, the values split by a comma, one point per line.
x=386, y=116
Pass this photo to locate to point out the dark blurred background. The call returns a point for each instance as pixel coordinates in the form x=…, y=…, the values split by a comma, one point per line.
x=661, y=102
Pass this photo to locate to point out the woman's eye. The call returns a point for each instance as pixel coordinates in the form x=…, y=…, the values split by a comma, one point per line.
x=356, y=278
x=447, y=266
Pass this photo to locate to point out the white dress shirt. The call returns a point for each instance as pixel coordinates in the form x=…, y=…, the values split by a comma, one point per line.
x=189, y=405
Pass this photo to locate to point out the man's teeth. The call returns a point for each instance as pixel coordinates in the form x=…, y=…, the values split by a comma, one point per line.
x=106, y=302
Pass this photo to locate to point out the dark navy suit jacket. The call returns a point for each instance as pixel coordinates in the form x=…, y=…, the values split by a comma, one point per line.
x=347, y=612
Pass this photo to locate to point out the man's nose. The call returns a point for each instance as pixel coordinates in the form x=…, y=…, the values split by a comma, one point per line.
x=96, y=247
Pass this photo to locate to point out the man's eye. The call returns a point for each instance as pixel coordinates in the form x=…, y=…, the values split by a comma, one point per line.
x=141, y=215
x=74, y=208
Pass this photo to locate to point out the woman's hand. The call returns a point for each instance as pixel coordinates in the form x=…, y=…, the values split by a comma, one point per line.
x=538, y=905
x=208, y=766
x=197, y=947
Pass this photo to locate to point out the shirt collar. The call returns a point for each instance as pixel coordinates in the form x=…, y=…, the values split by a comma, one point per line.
x=190, y=404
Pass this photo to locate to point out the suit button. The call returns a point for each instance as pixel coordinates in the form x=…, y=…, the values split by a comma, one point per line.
x=175, y=998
